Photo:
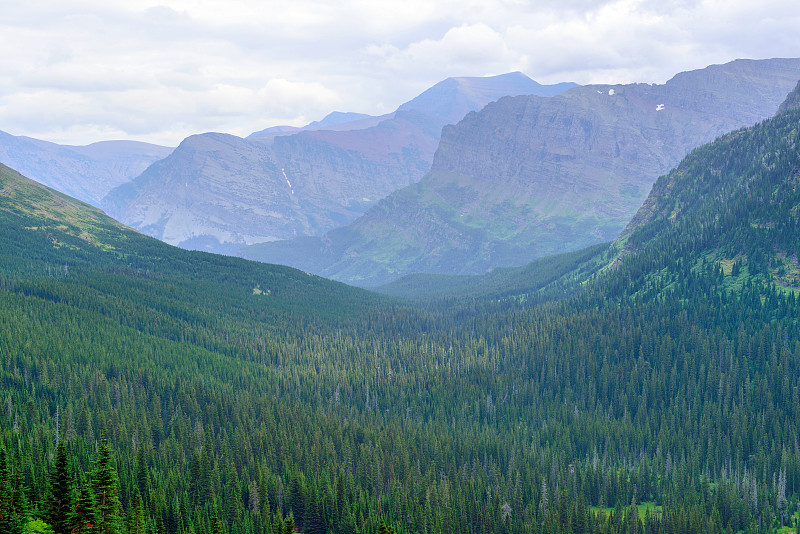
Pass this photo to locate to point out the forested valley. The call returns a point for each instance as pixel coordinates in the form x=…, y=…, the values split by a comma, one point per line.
x=146, y=389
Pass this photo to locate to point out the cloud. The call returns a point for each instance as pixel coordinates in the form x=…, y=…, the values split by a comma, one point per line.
x=649, y=40
x=162, y=70
x=463, y=48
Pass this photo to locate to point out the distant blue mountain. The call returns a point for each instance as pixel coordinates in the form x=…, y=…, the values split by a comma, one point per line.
x=339, y=117
x=88, y=172
x=451, y=99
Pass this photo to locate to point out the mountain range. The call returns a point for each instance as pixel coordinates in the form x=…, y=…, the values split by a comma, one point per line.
x=217, y=192
x=527, y=176
x=730, y=208
x=88, y=172
x=657, y=389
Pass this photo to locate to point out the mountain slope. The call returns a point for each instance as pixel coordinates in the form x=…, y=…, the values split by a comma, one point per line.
x=217, y=193
x=731, y=208
x=48, y=236
x=84, y=172
x=304, y=403
x=528, y=176
x=549, y=278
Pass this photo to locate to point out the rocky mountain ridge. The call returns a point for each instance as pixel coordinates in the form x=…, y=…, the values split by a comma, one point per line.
x=528, y=177
x=218, y=192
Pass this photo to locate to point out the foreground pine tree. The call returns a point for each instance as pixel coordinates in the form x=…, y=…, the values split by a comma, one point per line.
x=106, y=490
x=10, y=517
x=59, y=500
x=85, y=513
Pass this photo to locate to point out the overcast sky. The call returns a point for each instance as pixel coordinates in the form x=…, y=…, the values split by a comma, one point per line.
x=78, y=71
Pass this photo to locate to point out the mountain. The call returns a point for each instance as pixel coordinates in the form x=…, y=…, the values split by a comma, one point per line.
x=338, y=117
x=731, y=209
x=49, y=235
x=213, y=394
x=450, y=100
x=528, y=176
x=336, y=120
x=218, y=192
x=85, y=172
x=729, y=212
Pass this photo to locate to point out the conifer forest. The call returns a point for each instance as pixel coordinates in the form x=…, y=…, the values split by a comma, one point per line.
x=649, y=385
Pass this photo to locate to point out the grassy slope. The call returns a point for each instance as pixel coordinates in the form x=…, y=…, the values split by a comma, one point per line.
x=49, y=239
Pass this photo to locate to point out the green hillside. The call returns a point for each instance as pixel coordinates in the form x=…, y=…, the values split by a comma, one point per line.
x=731, y=207
x=50, y=237
x=660, y=396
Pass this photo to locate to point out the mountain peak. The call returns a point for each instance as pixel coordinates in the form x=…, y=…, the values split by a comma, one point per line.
x=339, y=117
x=528, y=176
x=452, y=98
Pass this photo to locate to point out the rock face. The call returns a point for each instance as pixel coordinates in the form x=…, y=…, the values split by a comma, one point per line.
x=87, y=173
x=528, y=176
x=218, y=192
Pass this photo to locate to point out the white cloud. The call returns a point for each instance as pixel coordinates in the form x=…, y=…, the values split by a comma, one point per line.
x=84, y=70
x=463, y=48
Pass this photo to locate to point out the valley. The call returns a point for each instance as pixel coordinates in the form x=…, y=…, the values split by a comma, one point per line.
x=645, y=384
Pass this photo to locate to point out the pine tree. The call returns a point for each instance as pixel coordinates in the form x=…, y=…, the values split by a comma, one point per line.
x=10, y=520
x=85, y=514
x=59, y=500
x=216, y=524
x=288, y=524
x=141, y=473
x=383, y=529
x=106, y=492
x=781, y=501
x=136, y=524
x=5, y=491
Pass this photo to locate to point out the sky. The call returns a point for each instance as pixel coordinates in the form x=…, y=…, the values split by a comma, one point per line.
x=79, y=71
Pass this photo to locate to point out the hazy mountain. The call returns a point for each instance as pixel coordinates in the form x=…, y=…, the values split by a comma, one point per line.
x=733, y=202
x=528, y=176
x=338, y=117
x=450, y=100
x=217, y=192
x=336, y=120
x=84, y=172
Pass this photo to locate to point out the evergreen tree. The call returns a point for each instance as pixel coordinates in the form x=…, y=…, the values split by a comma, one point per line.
x=288, y=524
x=383, y=529
x=106, y=492
x=10, y=516
x=216, y=524
x=59, y=500
x=85, y=514
x=136, y=523
x=142, y=477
